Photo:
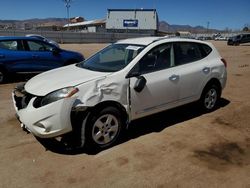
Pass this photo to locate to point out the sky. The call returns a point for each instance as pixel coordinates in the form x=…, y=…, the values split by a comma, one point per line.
x=220, y=14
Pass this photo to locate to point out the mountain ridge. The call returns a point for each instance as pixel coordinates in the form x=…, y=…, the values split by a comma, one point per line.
x=166, y=27
x=163, y=25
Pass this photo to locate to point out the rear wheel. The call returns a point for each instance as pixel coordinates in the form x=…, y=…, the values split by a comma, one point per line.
x=210, y=97
x=104, y=128
x=236, y=43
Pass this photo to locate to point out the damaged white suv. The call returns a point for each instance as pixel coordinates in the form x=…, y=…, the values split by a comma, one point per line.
x=125, y=81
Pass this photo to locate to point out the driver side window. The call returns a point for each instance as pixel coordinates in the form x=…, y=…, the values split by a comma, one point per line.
x=38, y=46
x=156, y=59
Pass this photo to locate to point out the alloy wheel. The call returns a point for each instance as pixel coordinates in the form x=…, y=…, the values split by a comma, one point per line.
x=210, y=99
x=105, y=129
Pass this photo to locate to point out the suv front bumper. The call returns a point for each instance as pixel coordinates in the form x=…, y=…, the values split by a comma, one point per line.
x=47, y=121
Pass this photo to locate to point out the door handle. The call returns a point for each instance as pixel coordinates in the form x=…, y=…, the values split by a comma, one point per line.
x=206, y=70
x=2, y=56
x=174, y=77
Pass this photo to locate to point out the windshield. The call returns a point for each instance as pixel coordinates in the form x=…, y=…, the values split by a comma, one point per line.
x=112, y=58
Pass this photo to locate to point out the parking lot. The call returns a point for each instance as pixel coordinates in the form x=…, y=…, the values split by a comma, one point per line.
x=177, y=148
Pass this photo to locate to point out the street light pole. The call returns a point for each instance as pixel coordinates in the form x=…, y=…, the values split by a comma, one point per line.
x=67, y=5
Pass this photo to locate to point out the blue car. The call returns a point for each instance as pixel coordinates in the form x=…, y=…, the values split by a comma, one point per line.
x=32, y=55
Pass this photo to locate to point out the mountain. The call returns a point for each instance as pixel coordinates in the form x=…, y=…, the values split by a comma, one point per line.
x=165, y=27
x=19, y=24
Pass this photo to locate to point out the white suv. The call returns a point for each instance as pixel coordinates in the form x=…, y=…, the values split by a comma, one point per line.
x=96, y=99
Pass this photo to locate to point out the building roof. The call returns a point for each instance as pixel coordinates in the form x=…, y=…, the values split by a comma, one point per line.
x=86, y=23
x=77, y=17
x=184, y=32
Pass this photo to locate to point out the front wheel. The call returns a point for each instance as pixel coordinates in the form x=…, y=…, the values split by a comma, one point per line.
x=210, y=97
x=104, y=128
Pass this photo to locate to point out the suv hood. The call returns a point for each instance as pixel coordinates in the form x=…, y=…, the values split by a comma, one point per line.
x=49, y=81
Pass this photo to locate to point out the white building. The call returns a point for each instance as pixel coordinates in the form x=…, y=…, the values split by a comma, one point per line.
x=132, y=20
x=90, y=26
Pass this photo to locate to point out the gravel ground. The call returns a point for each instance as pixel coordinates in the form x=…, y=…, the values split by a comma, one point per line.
x=176, y=148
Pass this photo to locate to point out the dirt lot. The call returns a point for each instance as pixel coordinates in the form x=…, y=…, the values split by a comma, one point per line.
x=177, y=148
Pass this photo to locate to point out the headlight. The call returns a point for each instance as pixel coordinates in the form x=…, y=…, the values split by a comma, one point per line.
x=57, y=95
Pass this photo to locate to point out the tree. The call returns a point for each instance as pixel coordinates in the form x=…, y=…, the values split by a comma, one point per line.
x=245, y=29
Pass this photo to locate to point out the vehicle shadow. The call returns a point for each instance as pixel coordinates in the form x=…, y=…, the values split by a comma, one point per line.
x=16, y=78
x=143, y=126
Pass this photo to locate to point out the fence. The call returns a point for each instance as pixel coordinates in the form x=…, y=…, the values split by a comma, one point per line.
x=74, y=37
x=80, y=37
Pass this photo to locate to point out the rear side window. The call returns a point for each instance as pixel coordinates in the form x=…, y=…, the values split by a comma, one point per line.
x=205, y=50
x=246, y=37
x=9, y=45
x=186, y=52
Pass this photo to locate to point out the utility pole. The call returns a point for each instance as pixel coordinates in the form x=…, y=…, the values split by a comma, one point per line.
x=208, y=26
x=67, y=5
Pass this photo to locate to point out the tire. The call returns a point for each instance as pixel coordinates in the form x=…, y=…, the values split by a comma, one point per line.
x=210, y=97
x=236, y=43
x=104, y=128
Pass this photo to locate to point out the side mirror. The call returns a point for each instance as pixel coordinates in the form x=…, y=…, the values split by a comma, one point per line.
x=140, y=84
x=133, y=74
x=55, y=51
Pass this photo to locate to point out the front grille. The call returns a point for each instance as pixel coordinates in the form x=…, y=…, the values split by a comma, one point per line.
x=22, y=98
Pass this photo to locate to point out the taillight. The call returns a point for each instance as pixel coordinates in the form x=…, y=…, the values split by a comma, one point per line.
x=224, y=62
